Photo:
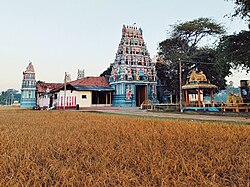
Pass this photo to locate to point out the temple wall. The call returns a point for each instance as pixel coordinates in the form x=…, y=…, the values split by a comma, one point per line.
x=84, y=102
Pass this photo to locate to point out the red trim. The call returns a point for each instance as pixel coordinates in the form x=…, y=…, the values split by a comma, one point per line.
x=67, y=107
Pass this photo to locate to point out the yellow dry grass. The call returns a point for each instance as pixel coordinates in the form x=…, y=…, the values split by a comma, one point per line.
x=56, y=148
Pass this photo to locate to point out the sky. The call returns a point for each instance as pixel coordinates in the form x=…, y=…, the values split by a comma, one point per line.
x=66, y=35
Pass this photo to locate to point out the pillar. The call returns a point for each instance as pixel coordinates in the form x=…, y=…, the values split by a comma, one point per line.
x=199, y=97
x=97, y=95
x=212, y=97
x=110, y=99
x=187, y=98
x=106, y=98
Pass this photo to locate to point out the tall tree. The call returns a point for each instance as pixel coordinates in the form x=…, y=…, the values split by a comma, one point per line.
x=183, y=45
x=242, y=9
x=107, y=72
x=235, y=49
x=7, y=97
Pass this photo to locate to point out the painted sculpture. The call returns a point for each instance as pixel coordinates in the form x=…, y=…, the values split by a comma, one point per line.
x=195, y=88
x=133, y=74
x=197, y=77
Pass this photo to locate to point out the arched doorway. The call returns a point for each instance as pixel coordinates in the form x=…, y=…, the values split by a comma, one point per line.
x=141, y=94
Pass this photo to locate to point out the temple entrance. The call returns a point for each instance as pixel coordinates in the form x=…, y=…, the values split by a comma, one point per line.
x=141, y=94
x=101, y=98
x=50, y=101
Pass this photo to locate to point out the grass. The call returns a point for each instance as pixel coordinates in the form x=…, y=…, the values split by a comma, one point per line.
x=57, y=148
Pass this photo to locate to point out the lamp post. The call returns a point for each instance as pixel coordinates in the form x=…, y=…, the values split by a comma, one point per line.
x=64, y=97
x=180, y=79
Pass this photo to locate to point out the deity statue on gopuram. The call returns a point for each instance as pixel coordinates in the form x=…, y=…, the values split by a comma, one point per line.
x=133, y=73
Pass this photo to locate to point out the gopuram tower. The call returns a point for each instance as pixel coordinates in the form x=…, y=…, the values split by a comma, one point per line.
x=133, y=74
x=28, y=90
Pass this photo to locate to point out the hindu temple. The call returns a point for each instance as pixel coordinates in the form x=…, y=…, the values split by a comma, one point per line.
x=28, y=90
x=133, y=75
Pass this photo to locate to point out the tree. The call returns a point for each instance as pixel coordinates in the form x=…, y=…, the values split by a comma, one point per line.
x=235, y=49
x=7, y=97
x=183, y=45
x=107, y=72
x=242, y=9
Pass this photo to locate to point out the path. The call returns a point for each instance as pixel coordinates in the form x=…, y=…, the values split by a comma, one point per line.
x=137, y=111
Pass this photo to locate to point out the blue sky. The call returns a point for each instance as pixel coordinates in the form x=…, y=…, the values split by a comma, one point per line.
x=66, y=35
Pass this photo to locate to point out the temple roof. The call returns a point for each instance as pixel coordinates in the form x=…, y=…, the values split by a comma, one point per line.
x=86, y=83
x=43, y=87
x=90, y=81
x=94, y=88
x=132, y=60
x=131, y=30
x=30, y=68
x=200, y=85
x=198, y=80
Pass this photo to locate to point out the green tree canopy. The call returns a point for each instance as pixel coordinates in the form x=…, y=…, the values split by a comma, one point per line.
x=235, y=49
x=242, y=9
x=8, y=96
x=107, y=72
x=184, y=45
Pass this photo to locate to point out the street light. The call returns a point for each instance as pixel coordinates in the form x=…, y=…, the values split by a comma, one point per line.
x=180, y=79
x=65, y=81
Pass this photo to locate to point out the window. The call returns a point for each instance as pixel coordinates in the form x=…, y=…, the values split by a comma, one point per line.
x=84, y=96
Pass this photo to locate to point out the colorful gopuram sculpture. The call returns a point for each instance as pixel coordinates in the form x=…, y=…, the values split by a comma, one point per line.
x=133, y=74
x=28, y=90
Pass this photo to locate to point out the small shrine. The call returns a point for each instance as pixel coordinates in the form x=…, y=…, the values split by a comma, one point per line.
x=195, y=89
x=133, y=74
x=235, y=103
x=28, y=90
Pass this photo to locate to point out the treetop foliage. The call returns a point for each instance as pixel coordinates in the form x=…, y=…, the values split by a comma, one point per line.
x=190, y=33
x=194, y=31
x=242, y=9
x=235, y=49
x=183, y=45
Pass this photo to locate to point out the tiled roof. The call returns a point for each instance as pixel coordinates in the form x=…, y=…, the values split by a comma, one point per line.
x=42, y=87
x=94, y=82
x=90, y=81
x=94, y=88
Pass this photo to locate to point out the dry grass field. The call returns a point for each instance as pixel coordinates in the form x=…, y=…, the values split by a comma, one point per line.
x=56, y=148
